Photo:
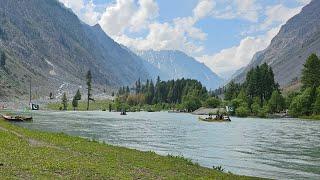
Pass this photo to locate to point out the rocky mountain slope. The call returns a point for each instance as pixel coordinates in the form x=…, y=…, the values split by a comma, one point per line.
x=289, y=49
x=47, y=42
x=176, y=64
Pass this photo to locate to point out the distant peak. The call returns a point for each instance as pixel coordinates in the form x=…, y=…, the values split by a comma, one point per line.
x=97, y=26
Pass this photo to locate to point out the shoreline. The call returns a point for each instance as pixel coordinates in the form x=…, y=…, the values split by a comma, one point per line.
x=57, y=155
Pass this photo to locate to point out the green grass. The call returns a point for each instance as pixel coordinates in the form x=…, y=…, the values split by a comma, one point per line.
x=312, y=117
x=40, y=155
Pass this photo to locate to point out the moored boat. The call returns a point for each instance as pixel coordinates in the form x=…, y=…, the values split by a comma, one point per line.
x=216, y=119
x=16, y=118
x=123, y=113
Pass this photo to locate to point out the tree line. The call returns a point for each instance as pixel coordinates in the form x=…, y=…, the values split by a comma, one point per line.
x=260, y=94
x=306, y=102
x=257, y=96
x=184, y=94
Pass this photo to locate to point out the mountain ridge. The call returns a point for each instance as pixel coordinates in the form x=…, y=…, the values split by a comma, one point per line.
x=289, y=49
x=46, y=41
x=174, y=64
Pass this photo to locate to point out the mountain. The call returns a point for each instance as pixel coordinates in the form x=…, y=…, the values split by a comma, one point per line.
x=288, y=51
x=176, y=64
x=47, y=42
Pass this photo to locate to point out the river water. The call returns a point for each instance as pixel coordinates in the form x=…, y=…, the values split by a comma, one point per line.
x=272, y=148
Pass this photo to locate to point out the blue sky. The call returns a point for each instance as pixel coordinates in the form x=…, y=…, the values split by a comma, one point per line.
x=223, y=34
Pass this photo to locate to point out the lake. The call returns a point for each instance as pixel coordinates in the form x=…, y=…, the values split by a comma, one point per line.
x=272, y=148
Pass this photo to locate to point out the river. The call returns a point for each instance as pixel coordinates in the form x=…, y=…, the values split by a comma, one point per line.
x=271, y=148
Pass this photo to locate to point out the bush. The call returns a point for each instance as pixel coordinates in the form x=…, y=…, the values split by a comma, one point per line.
x=316, y=105
x=277, y=102
x=212, y=102
x=301, y=105
x=262, y=113
x=191, y=103
x=243, y=111
x=255, y=107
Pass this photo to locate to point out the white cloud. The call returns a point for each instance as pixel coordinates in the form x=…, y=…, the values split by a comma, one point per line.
x=85, y=11
x=75, y=5
x=147, y=12
x=278, y=14
x=89, y=15
x=237, y=9
x=128, y=15
x=236, y=57
x=180, y=34
x=123, y=17
x=303, y=2
x=203, y=8
x=116, y=17
x=231, y=59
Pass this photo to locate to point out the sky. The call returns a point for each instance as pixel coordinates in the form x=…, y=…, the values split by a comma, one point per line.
x=222, y=34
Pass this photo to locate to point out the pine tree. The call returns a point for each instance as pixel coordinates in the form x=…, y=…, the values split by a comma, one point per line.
x=256, y=106
x=277, y=102
x=65, y=101
x=260, y=83
x=74, y=103
x=316, y=105
x=89, y=88
x=76, y=99
x=128, y=90
x=311, y=72
x=138, y=86
x=78, y=95
x=232, y=90
x=3, y=59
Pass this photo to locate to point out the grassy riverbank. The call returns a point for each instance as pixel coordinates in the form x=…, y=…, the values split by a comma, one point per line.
x=312, y=117
x=32, y=154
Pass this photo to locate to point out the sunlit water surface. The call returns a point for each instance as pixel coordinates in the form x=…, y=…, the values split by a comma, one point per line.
x=273, y=148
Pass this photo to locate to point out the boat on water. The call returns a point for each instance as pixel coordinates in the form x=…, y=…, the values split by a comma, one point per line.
x=16, y=118
x=123, y=113
x=215, y=119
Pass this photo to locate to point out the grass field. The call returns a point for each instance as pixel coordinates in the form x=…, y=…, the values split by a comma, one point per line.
x=27, y=154
x=312, y=117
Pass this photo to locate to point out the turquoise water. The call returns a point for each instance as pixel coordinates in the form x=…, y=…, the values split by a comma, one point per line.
x=273, y=148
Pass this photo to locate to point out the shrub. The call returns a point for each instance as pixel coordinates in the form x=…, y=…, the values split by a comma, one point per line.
x=301, y=105
x=212, y=102
x=191, y=103
x=242, y=111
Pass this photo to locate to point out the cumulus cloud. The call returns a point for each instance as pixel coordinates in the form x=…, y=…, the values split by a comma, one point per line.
x=85, y=11
x=203, y=8
x=278, y=14
x=75, y=5
x=122, y=17
x=128, y=15
x=231, y=59
x=238, y=9
x=179, y=34
x=304, y=2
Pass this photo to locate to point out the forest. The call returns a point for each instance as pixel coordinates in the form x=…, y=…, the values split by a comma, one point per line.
x=260, y=95
x=182, y=94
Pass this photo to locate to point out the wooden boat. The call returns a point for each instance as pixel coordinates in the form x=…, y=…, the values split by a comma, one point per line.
x=16, y=118
x=123, y=113
x=215, y=119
